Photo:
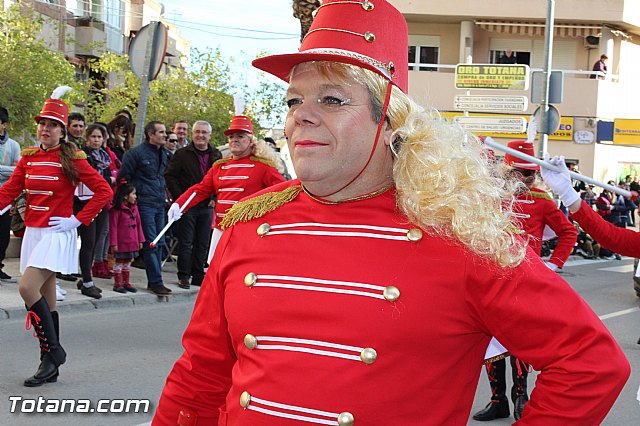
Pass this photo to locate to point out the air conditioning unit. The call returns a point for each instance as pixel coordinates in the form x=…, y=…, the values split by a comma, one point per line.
x=591, y=42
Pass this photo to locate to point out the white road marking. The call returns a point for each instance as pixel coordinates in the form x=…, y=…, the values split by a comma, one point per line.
x=622, y=268
x=619, y=313
x=581, y=262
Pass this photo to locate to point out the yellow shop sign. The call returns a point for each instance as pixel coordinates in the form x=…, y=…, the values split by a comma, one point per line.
x=626, y=131
x=564, y=132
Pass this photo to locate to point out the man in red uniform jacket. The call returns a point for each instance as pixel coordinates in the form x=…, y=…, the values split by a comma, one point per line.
x=366, y=291
x=250, y=169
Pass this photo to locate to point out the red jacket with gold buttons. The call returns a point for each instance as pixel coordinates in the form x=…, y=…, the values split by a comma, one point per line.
x=49, y=192
x=232, y=180
x=535, y=210
x=343, y=314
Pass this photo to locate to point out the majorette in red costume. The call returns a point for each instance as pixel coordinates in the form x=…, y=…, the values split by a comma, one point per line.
x=232, y=178
x=377, y=308
x=534, y=209
x=622, y=240
x=49, y=244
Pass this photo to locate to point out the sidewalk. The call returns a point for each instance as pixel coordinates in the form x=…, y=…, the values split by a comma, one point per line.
x=12, y=305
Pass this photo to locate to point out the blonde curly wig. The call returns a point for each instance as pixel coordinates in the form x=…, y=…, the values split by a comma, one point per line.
x=447, y=183
x=264, y=150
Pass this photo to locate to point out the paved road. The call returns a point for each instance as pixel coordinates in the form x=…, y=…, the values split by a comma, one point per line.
x=120, y=353
x=112, y=354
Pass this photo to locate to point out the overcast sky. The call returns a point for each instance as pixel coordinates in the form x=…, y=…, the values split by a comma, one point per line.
x=201, y=22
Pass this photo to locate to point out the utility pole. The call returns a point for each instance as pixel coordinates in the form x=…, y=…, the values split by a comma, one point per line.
x=62, y=26
x=546, y=72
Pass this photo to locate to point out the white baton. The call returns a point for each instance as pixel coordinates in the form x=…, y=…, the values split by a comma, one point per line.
x=495, y=145
x=168, y=225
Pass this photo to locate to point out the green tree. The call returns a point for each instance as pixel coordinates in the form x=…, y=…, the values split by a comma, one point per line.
x=29, y=71
x=265, y=94
x=197, y=94
x=202, y=92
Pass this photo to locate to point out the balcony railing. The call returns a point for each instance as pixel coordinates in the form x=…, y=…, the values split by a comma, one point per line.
x=452, y=68
x=583, y=97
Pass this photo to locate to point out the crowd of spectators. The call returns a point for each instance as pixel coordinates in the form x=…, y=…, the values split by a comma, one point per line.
x=107, y=251
x=612, y=207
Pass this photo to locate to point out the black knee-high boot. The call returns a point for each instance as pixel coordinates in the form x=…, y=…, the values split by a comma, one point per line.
x=56, y=326
x=519, y=372
x=498, y=408
x=53, y=355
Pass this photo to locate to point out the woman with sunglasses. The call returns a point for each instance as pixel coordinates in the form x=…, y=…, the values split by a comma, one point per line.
x=172, y=143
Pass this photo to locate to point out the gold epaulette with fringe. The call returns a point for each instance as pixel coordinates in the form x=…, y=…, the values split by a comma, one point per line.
x=256, y=207
x=263, y=161
x=542, y=195
x=223, y=160
x=29, y=151
x=80, y=155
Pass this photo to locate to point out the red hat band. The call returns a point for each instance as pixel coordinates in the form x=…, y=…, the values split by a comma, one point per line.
x=515, y=162
x=371, y=34
x=54, y=109
x=239, y=123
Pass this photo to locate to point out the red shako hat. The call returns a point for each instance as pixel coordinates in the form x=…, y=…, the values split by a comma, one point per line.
x=54, y=108
x=371, y=34
x=515, y=162
x=239, y=123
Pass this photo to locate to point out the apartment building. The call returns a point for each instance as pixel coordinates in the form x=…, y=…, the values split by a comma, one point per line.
x=600, y=125
x=86, y=29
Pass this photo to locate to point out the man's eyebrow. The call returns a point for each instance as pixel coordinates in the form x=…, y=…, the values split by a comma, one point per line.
x=322, y=87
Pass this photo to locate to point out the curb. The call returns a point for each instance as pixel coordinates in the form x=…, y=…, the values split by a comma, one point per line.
x=143, y=298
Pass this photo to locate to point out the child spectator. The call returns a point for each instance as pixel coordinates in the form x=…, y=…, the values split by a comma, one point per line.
x=126, y=235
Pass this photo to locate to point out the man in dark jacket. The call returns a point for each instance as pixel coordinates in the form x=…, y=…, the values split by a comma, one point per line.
x=186, y=168
x=144, y=167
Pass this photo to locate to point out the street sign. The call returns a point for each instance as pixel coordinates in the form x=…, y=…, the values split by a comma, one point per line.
x=553, y=119
x=492, y=124
x=138, y=50
x=492, y=76
x=491, y=103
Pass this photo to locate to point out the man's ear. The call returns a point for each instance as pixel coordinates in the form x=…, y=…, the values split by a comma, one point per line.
x=387, y=132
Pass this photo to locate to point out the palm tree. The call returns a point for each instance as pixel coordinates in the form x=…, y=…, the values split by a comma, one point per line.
x=303, y=10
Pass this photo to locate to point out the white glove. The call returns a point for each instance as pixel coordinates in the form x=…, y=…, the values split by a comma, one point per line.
x=174, y=212
x=63, y=224
x=559, y=182
x=551, y=266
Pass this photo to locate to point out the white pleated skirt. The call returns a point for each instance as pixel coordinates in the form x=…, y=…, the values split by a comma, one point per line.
x=46, y=249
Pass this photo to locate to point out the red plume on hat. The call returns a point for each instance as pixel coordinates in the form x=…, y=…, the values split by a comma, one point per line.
x=371, y=34
x=54, y=108
x=239, y=123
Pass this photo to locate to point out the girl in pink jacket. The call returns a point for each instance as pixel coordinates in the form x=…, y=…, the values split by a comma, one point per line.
x=126, y=235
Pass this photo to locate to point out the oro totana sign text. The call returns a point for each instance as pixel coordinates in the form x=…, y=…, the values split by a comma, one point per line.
x=492, y=76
